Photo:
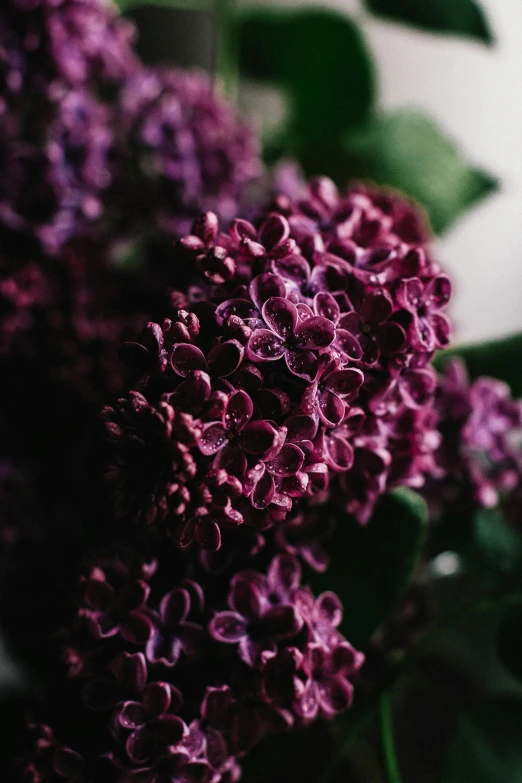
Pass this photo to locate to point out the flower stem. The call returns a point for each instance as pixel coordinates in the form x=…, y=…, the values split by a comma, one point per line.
x=227, y=46
x=388, y=745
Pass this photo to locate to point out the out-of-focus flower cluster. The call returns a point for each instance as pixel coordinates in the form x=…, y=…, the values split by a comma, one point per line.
x=177, y=683
x=481, y=447
x=161, y=149
x=296, y=365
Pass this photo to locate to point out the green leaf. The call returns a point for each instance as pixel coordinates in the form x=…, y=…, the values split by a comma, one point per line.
x=407, y=151
x=453, y=17
x=371, y=565
x=499, y=359
x=496, y=547
x=320, y=59
x=486, y=745
x=509, y=640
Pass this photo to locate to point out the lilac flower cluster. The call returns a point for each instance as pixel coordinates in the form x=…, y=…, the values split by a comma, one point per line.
x=179, y=685
x=481, y=427
x=164, y=144
x=296, y=366
x=188, y=151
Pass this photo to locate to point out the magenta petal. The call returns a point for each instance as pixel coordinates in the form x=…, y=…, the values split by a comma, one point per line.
x=340, y=453
x=348, y=344
x=243, y=308
x=133, y=595
x=208, y=534
x=329, y=609
x=417, y=387
x=441, y=328
x=239, y=411
x=169, y=730
x=263, y=492
x=156, y=698
x=409, y=294
x=301, y=363
x=99, y=595
x=225, y=358
x=68, y=764
x=137, y=628
x=287, y=462
x=175, y=607
x=330, y=407
x=301, y=427
x=186, y=358
x=280, y=316
x=257, y=437
x=265, y=286
x=345, y=382
x=284, y=573
x=163, y=649
x=281, y=622
x=232, y=459
x=377, y=307
x=213, y=437
x=140, y=744
x=316, y=332
x=274, y=231
x=326, y=306
x=293, y=268
x=265, y=346
x=438, y=292
x=335, y=695
x=391, y=337
x=228, y=627
x=131, y=714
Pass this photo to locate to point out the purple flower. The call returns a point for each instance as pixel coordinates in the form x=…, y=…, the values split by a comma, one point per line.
x=429, y=328
x=153, y=726
x=172, y=633
x=370, y=324
x=289, y=337
x=261, y=610
x=109, y=612
x=236, y=434
x=329, y=690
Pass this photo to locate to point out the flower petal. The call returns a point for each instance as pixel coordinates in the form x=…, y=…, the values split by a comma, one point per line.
x=348, y=344
x=330, y=407
x=339, y=453
x=284, y=574
x=287, y=462
x=208, y=534
x=265, y=286
x=228, y=627
x=344, y=382
x=280, y=316
x=293, y=268
x=438, y=292
x=186, y=358
x=335, y=695
x=243, y=308
x=174, y=607
x=213, y=437
x=326, y=306
x=225, y=358
x=316, y=332
x=409, y=294
x=329, y=609
x=239, y=411
x=257, y=437
x=301, y=363
x=274, y=231
x=265, y=346
x=264, y=491
x=376, y=307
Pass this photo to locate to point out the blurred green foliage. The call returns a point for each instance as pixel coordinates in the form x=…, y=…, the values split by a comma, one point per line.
x=371, y=565
x=454, y=17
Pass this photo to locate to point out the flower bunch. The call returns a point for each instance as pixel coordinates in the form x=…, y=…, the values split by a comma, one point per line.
x=480, y=453
x=296, y=364
x=180, y=683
